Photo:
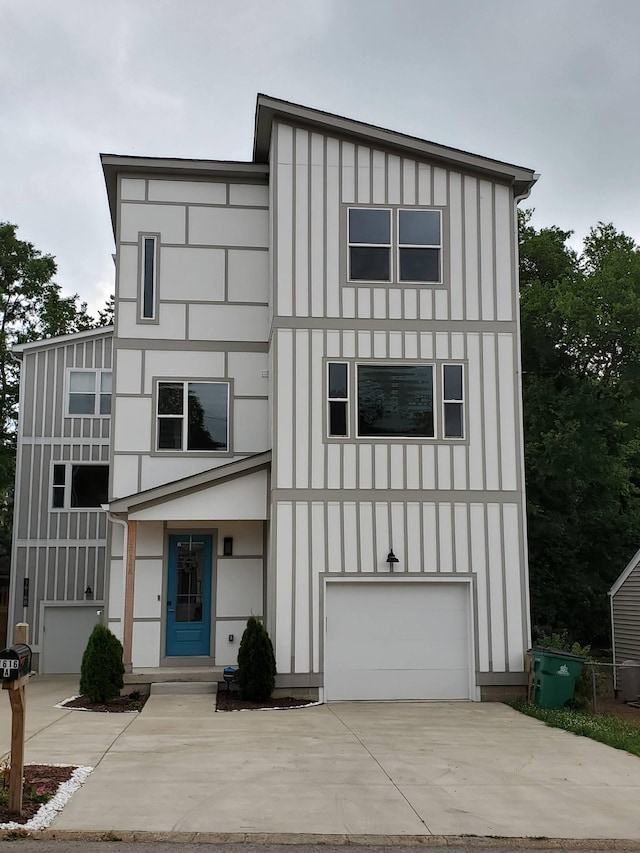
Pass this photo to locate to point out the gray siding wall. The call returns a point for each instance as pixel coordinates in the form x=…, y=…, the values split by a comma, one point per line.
x=626, y=618
x=61, y=551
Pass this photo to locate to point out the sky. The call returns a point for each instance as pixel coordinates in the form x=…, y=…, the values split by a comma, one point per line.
x=553, y=85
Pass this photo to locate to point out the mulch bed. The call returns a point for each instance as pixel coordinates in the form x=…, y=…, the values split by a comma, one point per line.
x=133, y=702
x=39, y=779
x=229, y=700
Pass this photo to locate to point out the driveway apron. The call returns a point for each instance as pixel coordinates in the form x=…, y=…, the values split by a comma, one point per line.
x=394, y=768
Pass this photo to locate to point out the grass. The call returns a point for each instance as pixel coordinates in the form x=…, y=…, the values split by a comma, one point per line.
x=612, y=731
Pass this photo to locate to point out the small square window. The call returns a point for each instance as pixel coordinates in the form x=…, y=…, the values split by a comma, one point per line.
x=89, y=392
x=419, y=245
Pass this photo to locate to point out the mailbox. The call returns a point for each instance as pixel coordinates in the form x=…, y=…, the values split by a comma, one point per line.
x=15, y=662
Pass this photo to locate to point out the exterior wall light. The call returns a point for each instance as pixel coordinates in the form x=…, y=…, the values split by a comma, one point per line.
x=88, y=594
x=392, y=560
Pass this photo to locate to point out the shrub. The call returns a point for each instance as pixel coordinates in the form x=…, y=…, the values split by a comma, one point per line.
x=102, y=670
x=257, y=665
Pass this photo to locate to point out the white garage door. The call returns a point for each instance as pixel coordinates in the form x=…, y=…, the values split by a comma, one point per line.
x=401, y=640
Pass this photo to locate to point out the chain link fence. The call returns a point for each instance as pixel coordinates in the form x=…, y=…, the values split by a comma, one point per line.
x=603, y=686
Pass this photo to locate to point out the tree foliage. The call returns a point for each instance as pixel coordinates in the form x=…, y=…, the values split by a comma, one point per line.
x=101, y=674
x=257, y=665
x=581, y=385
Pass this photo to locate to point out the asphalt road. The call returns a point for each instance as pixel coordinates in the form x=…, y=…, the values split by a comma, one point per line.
x=23, y=845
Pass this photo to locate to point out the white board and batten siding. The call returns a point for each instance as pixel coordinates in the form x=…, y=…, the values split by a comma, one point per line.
x=450, y=510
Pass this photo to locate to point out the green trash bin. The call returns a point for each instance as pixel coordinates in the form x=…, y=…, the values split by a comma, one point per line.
x=554, y=676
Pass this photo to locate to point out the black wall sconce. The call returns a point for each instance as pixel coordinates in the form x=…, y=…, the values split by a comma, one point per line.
x=227, y=546
x=88, y=593
x=392, y=560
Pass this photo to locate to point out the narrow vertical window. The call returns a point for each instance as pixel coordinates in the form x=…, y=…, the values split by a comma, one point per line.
x=148, y=277
x=453, y=400
x=105, y=393
x=57, y=491
x=338, y=399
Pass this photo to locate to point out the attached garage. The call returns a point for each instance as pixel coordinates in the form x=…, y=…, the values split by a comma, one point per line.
x=397, y=639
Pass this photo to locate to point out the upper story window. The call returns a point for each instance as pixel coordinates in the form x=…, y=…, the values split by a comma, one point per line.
x=79, y=486
x=415, y=233
x=89, y=392
x=193, y=416
x=395, y=401
x=148, y=276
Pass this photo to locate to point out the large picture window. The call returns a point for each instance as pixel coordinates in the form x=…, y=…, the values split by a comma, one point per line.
x=89, y=392
x=193, y=416
x=414, y=235
x=395, y=401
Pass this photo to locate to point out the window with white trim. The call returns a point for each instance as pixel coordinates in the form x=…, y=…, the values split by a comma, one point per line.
x=89, y=392
x=416, y=235
x=148, y=274
x=452, y=401
x=192, y=416
x=79, y=486
x=338, y=399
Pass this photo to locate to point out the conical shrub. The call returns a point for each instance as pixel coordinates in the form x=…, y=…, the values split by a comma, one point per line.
x=256, y=663
x=102, y=669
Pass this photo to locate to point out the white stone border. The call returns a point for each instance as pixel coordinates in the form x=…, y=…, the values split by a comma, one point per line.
x=47, y=811
x=65, y=707
x=283, y=708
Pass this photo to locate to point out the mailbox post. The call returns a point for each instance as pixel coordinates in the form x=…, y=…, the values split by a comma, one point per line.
x=15, y=666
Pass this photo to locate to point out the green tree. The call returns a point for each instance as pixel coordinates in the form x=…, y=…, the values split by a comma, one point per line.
x=256, y=663
x=581, y=387
x=102, y=670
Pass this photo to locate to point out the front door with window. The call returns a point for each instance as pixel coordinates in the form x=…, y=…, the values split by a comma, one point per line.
x=189, y=596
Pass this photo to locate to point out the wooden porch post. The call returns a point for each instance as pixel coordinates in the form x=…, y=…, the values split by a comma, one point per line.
x=129, y=590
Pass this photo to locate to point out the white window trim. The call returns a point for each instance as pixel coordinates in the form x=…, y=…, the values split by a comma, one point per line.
x=97, y=371
x=399, y=245
x=69, y=465
x=434, y=390
x=461, y=402
x=346, y=400
x=184, y=450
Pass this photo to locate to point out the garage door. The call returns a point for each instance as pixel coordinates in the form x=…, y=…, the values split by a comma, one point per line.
x=64, y=638
x=387, y=640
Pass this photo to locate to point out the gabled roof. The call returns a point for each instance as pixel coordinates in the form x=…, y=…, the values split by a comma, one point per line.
x=269, y=109
x=633, y=562
x=60, y=340
x=193, y=483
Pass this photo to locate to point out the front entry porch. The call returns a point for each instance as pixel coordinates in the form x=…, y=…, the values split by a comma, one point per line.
x=194, y=571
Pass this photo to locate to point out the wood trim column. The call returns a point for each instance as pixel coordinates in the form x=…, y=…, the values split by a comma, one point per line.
x=129, y=591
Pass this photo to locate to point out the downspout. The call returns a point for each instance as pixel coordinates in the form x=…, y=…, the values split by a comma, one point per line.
x=523, y=496
x=125, y=543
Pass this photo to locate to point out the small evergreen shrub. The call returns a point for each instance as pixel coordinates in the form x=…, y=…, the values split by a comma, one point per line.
x=102, y=669
x=256, y=663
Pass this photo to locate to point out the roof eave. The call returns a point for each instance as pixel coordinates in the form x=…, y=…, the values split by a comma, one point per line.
x=19, y=349
x=269, y=109
x=119, y=164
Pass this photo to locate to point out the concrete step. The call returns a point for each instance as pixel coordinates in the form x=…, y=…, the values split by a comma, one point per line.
x=156, y=675
x=180, y=688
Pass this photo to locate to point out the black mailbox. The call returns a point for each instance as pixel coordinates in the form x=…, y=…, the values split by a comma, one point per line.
x=15, y=662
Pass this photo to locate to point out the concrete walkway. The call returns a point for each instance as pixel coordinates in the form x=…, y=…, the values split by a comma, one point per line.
x=398, y=769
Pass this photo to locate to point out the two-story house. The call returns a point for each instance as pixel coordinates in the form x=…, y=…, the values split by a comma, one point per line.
x=316, y=412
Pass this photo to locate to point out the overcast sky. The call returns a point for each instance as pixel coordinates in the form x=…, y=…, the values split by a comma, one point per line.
x=553, y=85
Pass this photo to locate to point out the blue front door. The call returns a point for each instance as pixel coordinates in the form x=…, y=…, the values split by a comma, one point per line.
x=189, y=596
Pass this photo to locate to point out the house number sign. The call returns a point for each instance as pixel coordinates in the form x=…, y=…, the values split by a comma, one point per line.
x=7, y=665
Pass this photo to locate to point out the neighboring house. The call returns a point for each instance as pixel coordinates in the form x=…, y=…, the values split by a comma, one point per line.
x=62, y=471
x=625, y=613
x=316, y=372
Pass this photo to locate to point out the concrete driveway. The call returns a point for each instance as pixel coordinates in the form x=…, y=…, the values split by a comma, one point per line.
x=400, y=769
